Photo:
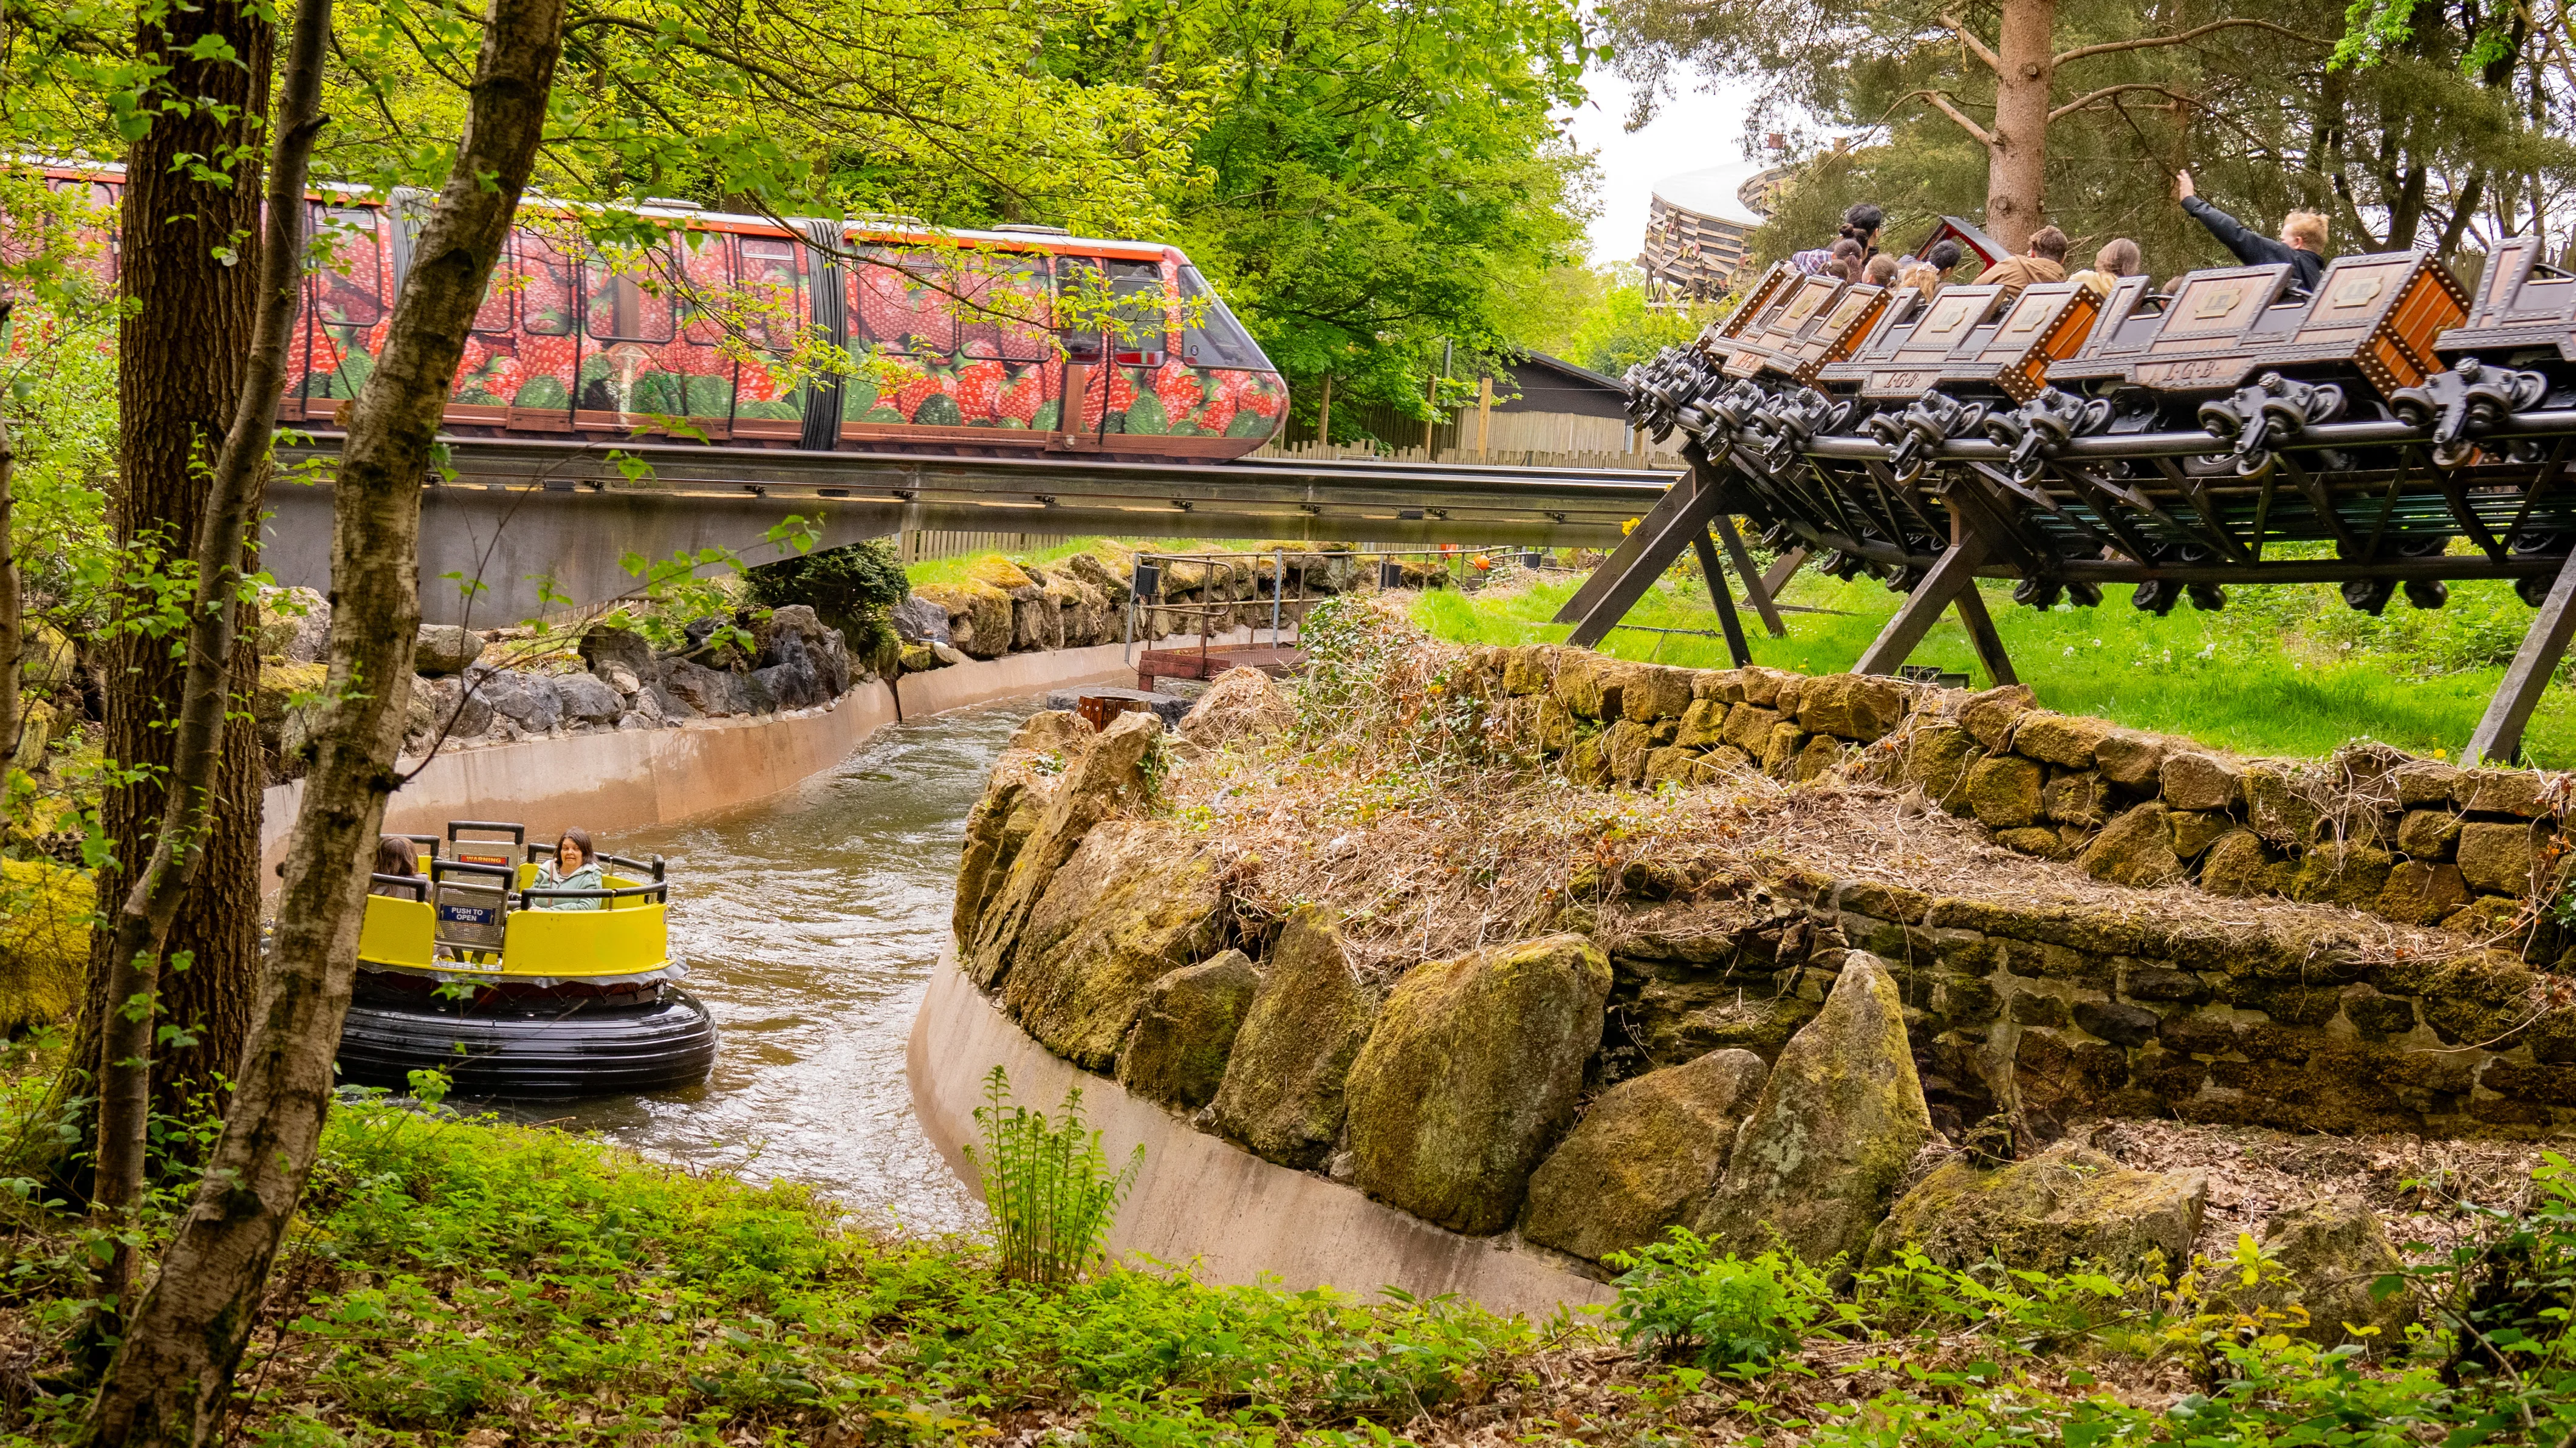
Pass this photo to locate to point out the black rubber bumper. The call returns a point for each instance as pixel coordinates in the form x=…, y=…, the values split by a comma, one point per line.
x=535, y=1049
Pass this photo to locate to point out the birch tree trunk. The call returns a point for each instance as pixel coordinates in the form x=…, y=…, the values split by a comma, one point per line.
x=142, y=926
x=170, y=1377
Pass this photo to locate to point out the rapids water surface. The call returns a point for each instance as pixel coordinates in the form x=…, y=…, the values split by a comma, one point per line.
x=810, y=924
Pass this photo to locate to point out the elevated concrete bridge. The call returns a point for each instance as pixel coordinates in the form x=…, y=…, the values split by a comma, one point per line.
x=516, y=514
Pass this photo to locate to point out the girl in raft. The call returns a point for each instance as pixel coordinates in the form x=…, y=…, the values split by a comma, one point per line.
x=574, y=868
x=395, y=856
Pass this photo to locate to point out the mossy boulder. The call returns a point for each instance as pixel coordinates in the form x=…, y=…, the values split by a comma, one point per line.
x=996, y=828
x=1703, y=725
x=2130, y=759
x=1529, y=669
x=1643, y=1156
x=1282, y=1096
x=2496, y=857
x=999, y=572
x=2069, y=1204
x=2062, y=739
x=1134, y=903
x=2418, y=893
x=1862, y=707
x=1648, y=692
x=2200, y=781
x=2341, y=874
x=1108, y=771
x=1585, y=683
x=2195, y=830
x=1842, y=1113
x=2334, y=1250
x=1937, y=759
x=2135, y=849
x=1191, y=1016
x=44, y=942
x=1749, y=726
x=2077, y=797
x=2428, y=834
x=2003, y=791
x=2277, y=807
x=979, y=616
x=2238, y=863
x=1991, y=716
x=1474, y=1065
x=1624, y=746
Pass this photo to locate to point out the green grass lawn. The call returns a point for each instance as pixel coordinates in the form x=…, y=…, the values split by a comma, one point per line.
x=2282, y=670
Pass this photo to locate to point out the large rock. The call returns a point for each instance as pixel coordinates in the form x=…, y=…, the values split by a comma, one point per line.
x=2335, y=1250
x=1644, y=1155
x=996, y=828
x=2067, y=1205
x=1282, y=1094
x=2496, y=857
x=619, y=656
x=1937, y=759
x=2200, y=782
x=797, y=637
x=1475, y=1064
x=1864, y=707
x=1819, y=1158
x=1992, y=715
x=712, y=692
x=2002, y=790
x=294, y=626
x=979, y=616
x=1108, y=772
x=586, y=699
x=2064, y=739
x=1191, y=1016
x=1091, y=568
x=1239, y=702
x=2135, y=849
x=2131, y=760
x=455, y=711
x=1133, y=903
x=444, y=648
x=917, y=620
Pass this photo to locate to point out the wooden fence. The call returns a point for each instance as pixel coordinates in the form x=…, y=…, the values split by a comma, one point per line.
x=918, y=546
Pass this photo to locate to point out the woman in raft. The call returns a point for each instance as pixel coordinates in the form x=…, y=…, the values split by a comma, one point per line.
x=574, y=868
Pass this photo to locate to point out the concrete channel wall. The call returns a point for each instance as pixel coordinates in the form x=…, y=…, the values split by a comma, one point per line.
x=636, y=779
x=1203, y=1202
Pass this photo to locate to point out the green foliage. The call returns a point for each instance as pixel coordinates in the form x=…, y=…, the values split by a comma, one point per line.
x=1599, y=317
x=1047, y=1185
x=849, y=588
x=2283, y=669
x=1680, y=1301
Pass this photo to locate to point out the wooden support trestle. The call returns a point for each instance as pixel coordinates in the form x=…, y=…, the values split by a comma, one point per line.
x=1757, y=592
x=2498, y=739
x=1953, y=579
x=1736, y=647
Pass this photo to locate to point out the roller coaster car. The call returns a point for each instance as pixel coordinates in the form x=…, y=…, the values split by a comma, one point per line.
x=468, y=971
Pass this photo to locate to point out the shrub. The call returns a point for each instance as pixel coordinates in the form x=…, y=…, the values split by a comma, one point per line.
x=1677, y=1300
x=849, y=588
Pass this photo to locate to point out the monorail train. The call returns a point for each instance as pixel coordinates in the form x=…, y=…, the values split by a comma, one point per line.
x=964, y=339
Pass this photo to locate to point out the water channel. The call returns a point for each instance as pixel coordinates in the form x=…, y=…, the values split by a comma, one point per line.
x=811, y=924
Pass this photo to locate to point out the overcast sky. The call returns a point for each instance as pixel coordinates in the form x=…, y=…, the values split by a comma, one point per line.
x=1695, y=129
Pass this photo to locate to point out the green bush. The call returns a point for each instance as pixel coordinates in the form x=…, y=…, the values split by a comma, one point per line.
x=1678, y=1301
x=849, y=588
x=1049, y=1188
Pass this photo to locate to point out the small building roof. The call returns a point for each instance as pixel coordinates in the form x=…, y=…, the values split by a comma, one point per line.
x=1713, y=192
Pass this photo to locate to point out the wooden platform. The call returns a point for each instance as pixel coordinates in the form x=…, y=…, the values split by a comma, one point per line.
x=1155, y=664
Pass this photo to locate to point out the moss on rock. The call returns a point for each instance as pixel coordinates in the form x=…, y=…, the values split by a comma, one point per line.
x=979, y=616
x=1108, y=770
x=2135, y=849
x=2068, y=1205
x=1282, y=1096
x=2002, y=790
x=1643, y=1156
x=1475, y=1062
x=1133, y=904
x=1191, y=1016
x=1842, y=1113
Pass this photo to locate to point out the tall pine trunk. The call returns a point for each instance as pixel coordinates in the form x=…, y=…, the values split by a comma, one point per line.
x=189, y=274
x=170, y=1377
x=2017, y=166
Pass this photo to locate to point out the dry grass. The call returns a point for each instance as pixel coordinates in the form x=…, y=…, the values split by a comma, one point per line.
x=1422, y=816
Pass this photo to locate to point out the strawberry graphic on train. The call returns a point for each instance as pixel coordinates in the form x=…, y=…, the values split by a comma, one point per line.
x=952, y=339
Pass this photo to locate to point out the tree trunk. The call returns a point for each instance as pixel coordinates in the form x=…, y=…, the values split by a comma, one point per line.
x=224, y=540
x=13, y=623
x=2017, y=167
x=170, y=1377
x=180, y=356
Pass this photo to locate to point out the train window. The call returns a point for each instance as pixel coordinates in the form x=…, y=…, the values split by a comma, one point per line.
x=629, y=296
x=1002, y=308
x=545, y=284
x=1210, y=336
x=1123, y=301
x=773, y=295
x=900, y=302
x=350, y=289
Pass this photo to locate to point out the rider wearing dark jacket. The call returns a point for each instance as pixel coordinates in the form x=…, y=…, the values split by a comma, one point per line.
x=2303, y=234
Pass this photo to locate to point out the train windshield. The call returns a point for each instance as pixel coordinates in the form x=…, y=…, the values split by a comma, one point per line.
x=1210, y=336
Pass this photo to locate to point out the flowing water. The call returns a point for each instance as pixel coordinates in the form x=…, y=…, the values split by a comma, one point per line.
x=811, y=924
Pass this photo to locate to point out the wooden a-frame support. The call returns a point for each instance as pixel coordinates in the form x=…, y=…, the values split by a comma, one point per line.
x=2498, y=738
x=1686, y=517
x=1952, y=581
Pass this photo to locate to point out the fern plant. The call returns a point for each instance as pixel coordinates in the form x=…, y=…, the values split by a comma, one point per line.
x=1047, y=1184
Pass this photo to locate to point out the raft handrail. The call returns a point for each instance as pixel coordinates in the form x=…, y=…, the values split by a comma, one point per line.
x=660, y=890
x=442, y=868
x=518, y=832
x=657, y=866
x=429, y=842
x=417, y=884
